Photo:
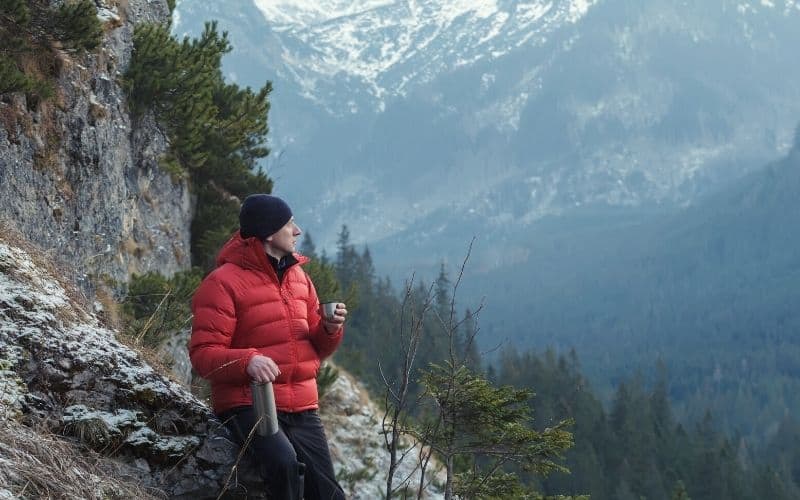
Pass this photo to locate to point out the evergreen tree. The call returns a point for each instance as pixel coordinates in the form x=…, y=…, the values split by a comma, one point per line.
x=442, y=294
x=346, y=257
x=324, y=277
x=16, y=11
x=347, y=263
x=679, y=492
x=31, y=27
x=782, y=454
x=769, y=484
x=76, y=25
x=307, y=246
x=797, y=138
x=475, y=419
x=215, y=220
x=11, y=78
x=217, y=131
x=365, y=273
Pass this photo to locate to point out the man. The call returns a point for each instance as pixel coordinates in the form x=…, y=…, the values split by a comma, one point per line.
x=256, y=318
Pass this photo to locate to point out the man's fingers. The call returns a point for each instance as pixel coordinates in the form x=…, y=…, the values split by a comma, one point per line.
x=273, y=369
x=263, y=369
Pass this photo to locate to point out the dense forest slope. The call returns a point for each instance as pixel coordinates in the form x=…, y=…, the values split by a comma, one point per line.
x=711, y=291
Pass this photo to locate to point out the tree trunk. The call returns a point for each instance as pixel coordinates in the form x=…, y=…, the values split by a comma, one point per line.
x=448, y=489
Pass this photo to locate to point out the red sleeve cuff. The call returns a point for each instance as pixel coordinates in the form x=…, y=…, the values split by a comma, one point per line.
x=250, y=355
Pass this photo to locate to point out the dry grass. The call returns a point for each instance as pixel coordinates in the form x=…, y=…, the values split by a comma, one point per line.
x=9, y=120
x=37, y=464
x=111, y=315
x=149, y=355
x=97, y=112
x=130, y=247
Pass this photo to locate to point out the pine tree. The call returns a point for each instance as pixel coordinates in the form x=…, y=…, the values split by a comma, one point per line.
x=475, y=419
x=769, y=484
x=324, y=277
x=679, y=492
x=16, y=11
x=11, y=78
x=217, y=131
x=442, y=294
x=307, y=246
x=347, y=262
x=77, y=26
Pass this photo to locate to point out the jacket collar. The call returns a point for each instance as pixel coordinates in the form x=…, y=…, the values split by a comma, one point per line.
x=248, y=253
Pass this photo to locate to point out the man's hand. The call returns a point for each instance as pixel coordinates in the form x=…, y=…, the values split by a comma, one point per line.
x=335, y=322
x=262, y=369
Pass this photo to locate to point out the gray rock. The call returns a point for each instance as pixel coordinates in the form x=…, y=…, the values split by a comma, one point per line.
x=102, y=394
x=81, y=179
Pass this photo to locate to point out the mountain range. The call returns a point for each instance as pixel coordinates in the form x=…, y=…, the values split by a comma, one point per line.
x=626, y=168
x=397, y=116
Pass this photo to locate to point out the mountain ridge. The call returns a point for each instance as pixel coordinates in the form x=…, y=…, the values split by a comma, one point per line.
x=631, y=105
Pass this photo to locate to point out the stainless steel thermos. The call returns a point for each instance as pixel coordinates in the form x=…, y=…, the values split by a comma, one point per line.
x=264, y=406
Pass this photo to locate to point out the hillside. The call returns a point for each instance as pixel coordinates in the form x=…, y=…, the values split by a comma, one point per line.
x=711, y=291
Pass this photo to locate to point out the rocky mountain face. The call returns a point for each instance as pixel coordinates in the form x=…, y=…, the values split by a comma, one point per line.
x=413, y=121
x=64, y=374
x=81, y=178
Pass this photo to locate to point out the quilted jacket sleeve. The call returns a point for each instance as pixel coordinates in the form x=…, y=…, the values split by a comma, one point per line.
x=213, y=325
x=324, y=343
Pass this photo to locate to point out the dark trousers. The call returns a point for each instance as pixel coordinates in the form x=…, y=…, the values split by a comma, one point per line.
x=295, y=462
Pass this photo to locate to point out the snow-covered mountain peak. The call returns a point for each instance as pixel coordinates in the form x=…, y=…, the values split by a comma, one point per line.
x=381, y=47
x=309, y=13
x=786, y=7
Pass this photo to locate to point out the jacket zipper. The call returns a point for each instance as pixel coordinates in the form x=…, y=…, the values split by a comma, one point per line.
x=292, y=343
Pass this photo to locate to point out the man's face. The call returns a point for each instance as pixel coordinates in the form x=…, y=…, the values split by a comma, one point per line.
x=283, y=241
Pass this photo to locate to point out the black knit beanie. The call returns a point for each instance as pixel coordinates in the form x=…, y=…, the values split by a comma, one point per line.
x=262, y=214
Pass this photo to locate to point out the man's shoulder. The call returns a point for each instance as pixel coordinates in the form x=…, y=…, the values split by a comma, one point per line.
x=230, y=275
x=224, y=272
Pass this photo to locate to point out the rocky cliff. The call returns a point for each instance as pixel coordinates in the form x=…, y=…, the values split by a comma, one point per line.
x=80, y=178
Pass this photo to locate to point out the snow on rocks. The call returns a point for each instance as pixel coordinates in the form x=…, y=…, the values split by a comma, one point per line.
x=355, y=435
x=60, y=368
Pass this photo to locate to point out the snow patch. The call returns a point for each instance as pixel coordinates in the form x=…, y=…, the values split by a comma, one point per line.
x=382, y=47
x=305, y=12
x=114, y=423
x=12, y=388
x=578, y=9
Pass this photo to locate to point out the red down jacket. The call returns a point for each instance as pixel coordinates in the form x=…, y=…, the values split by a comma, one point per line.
x=240, y=310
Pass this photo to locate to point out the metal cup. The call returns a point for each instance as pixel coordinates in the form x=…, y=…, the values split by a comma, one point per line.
x=327, y=309
x=264, y=406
